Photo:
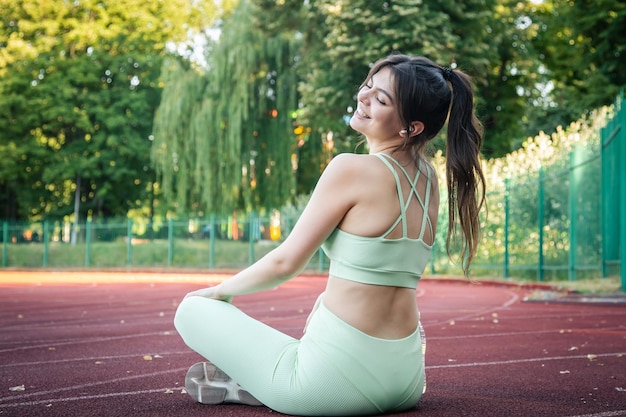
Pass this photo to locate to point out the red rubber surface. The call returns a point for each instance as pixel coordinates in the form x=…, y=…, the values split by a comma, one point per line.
x=97, y=345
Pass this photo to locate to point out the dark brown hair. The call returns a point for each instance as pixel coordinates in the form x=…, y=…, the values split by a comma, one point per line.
x=432, y=94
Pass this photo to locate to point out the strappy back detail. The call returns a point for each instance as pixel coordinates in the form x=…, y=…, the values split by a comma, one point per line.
x=382, y=260
x=405, y=202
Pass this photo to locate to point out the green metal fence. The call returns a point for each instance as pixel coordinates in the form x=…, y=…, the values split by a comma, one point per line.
x=562, y=217
x=564, y=220
x=217, y=242
x=613, y=201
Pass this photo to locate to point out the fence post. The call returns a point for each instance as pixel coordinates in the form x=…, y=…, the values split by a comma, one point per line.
x=129, y=239
x=170, y=242
x=251, y=234
x=212, y=241
x=88, y=243
x=621, y=115
x=5, y=244
x=604, y=198
x=573, y=213
x=506, y=227
x=610, y=186
x=540, y=220
x=46, y=242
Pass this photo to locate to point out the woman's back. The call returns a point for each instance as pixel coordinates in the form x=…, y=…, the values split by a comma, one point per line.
x=387, y=310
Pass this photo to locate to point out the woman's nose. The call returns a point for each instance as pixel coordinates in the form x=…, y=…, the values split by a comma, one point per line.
x=362, y=96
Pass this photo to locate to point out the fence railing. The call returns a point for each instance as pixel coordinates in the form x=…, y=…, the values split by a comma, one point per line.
x=226, y=242
x=563, y=215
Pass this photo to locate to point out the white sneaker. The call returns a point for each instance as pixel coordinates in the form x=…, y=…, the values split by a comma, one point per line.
x=207, y=384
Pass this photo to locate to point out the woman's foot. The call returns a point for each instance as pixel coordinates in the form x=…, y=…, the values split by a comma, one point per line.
x=207, y=384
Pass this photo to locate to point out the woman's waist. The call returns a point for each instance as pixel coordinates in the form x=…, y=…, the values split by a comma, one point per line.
x=385, y=312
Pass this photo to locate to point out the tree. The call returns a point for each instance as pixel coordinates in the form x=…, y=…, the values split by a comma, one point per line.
x=224, y=138
x=512, y=77
x=79, y=82
x=341, y=39
x=582, y=45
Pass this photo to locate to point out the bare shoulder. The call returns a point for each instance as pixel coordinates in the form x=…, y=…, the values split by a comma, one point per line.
x=352, y=166
x=351, y=159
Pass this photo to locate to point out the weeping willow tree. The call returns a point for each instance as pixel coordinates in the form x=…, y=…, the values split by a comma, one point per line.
x=223, y=138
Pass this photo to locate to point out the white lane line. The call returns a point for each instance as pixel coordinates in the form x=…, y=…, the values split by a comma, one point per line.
x=529, y=332
x=516, y=361
x=605, y=414
x=93, y=384
x=513, y=297
x=90, y=340
x=563, y=316
x=96, y=358
x=170, y=390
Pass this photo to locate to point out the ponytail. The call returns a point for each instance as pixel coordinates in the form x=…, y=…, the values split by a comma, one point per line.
x=465, y=179
x=433, y=94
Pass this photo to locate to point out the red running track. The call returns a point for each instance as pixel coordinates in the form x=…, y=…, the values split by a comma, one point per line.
x=72, y=347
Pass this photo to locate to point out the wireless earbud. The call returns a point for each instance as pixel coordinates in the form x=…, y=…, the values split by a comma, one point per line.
x=404, y=131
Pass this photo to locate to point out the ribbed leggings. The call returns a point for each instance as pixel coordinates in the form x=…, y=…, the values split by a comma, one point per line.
x=333, y=370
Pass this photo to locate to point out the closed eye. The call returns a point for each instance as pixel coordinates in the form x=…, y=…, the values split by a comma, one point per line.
x=380, y=100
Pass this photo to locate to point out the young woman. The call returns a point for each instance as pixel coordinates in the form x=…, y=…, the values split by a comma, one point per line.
x=375, y=216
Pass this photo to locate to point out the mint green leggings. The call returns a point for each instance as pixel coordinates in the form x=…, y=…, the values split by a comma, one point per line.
x=333, y=370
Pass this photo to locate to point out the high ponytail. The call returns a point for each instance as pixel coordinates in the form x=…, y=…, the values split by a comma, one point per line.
x=465, y=179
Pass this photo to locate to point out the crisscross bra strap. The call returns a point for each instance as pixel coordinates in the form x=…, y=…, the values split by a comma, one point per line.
x=404, y=203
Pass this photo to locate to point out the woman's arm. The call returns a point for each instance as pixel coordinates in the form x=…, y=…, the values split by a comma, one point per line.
x=333, y=196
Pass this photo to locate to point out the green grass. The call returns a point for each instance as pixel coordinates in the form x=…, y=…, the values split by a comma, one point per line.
x=155, y=253
x=186, y=253
x=228, y=254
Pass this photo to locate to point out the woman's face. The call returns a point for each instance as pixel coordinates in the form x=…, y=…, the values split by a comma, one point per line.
x=376, y=116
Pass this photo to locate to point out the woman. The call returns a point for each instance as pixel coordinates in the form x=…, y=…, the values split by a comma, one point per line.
x=375, y=216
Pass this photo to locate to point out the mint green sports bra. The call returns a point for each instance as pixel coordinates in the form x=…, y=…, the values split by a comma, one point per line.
x=378, y=260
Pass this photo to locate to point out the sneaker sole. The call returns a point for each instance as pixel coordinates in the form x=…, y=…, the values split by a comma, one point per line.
x=207, y=384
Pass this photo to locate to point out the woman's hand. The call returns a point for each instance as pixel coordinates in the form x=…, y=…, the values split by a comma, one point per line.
x=210, y=292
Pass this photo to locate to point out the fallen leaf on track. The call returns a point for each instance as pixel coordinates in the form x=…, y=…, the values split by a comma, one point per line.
x=147, y=358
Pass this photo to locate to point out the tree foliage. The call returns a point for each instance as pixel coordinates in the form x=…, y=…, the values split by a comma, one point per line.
x=223, y=139
x=582, y=45
x=80, y=83
x=79, y=86
x=341, y=39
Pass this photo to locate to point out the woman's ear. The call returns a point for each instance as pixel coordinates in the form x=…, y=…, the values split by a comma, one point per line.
x=415, y=128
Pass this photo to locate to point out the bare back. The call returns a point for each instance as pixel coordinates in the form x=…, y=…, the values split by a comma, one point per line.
x=384, y=311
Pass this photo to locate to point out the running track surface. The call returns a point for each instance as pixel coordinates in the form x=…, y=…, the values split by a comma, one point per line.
x=89, y=344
